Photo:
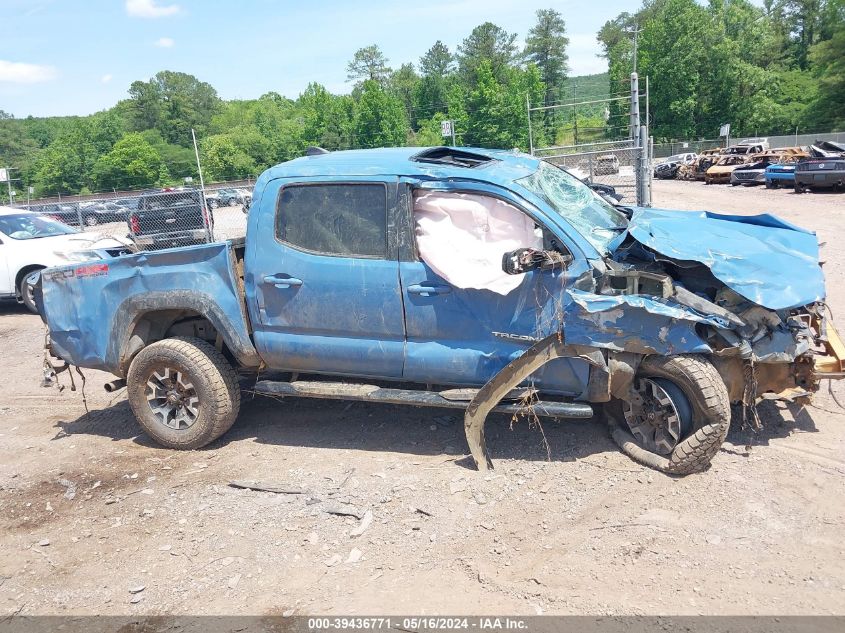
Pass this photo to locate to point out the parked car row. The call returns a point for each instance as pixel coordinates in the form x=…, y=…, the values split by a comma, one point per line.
x=751, y=162
x=228, y=198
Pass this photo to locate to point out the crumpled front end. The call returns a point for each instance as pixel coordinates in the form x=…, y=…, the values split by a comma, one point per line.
x=747, y=291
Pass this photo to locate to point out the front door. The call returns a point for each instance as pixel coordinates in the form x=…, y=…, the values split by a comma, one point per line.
x=327, y=284
x=465, y=336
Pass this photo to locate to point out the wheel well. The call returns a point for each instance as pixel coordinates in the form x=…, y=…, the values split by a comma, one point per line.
x=23, y=272
x=158, y=325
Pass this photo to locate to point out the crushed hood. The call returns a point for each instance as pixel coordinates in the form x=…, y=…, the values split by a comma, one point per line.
x=766, y=260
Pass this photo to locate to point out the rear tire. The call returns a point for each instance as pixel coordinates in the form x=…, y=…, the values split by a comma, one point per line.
x=91, y=220
x=694, y=384
x=183, y=392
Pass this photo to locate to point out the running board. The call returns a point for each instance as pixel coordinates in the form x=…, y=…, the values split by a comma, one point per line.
x=373, y=393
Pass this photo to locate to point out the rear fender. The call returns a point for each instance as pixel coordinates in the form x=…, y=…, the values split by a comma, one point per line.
x=145, y=318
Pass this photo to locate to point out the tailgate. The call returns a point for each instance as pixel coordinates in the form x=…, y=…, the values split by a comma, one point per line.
x=169, y=219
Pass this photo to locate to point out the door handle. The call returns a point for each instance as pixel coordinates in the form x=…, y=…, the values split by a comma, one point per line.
x=283, y=282
x=429, y=291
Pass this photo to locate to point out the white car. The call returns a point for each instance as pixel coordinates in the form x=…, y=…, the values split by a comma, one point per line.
x=30, y=242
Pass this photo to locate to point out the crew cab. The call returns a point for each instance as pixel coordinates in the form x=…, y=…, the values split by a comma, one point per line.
x=30, y=242
x=463, y=278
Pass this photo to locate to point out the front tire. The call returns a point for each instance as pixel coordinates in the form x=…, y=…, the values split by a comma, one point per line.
x=27, y=293
x=678, y=416
x=183, y=392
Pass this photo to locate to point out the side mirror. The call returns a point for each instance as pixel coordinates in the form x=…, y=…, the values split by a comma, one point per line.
x=524, y=259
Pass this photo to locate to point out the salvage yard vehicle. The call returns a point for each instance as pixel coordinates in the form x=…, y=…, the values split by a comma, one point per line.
x=780, y=175
x=668, y=169
x=720, y=172
x=606, y=164
x=462, y=278
x=754, y=172
x=30, y=242
x=820, y=173
x=695, y=171
x=168, y=218
x=748, y=146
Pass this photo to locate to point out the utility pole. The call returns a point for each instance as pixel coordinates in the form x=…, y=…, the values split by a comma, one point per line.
x=575, y=113
x=530, y=133
x=636, y=32
x=635, y=107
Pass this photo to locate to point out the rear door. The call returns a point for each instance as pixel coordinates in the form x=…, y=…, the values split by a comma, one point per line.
x=326, y=278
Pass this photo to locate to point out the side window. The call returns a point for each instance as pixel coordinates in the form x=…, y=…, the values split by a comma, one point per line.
x=341, y=219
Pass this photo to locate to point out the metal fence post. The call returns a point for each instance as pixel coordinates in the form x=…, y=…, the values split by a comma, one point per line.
x=635, y=107
x=642, y=168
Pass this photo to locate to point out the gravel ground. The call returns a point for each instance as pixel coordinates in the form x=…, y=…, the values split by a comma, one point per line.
x=96, y=519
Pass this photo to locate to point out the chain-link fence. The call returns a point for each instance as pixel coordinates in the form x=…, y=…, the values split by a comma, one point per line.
x=619, y=155
x=608, y=163
x=663, y=150
x=158, y=219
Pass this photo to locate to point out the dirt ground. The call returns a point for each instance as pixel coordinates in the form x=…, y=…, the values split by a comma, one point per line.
x=91, y=511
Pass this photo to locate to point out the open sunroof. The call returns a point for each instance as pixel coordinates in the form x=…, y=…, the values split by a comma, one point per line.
x=452, y=156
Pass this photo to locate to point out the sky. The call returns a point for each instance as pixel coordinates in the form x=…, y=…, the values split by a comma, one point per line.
x=64, y=57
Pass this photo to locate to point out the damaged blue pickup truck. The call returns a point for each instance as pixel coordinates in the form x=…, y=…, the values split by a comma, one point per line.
x=658, y=319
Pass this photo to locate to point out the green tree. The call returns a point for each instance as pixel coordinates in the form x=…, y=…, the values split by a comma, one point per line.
x=328, y=120
x=546, y=47
x=487, y=43
x=132, y=163
x=827, y=111
x=403, y=84
x=173, y=103
x=436, y=66
x=179, y=162
x=379, y=118
x=671, y=52
x=496, y=110
x=438, y=61
x=223, y=160
x=368, y=63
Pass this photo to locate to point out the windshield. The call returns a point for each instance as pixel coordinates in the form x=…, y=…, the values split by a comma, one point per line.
x=29, y=226
x=588, y=213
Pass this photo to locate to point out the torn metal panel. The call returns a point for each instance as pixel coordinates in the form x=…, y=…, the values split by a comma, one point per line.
x=489, y=396
x=633, y=323
x=766, y=260
x=92, y=308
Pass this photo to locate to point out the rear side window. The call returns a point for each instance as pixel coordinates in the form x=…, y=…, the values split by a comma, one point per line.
x=337, y=219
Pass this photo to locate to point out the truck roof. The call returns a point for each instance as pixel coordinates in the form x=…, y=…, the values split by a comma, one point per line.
x=497, y=166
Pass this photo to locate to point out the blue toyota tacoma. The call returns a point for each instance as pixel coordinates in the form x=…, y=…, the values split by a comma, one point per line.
x=349, y=287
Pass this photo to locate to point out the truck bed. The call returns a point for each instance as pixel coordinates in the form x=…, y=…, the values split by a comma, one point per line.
x=92, y=308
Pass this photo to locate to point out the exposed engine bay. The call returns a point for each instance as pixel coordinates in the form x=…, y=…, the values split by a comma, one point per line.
x=760, y=352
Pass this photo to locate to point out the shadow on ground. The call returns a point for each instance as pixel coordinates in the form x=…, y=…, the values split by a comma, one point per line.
x=417, y=431
x=778, y=419
x=370, y=427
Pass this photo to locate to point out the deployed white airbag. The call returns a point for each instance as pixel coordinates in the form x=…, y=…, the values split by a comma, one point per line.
x=462, y=237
